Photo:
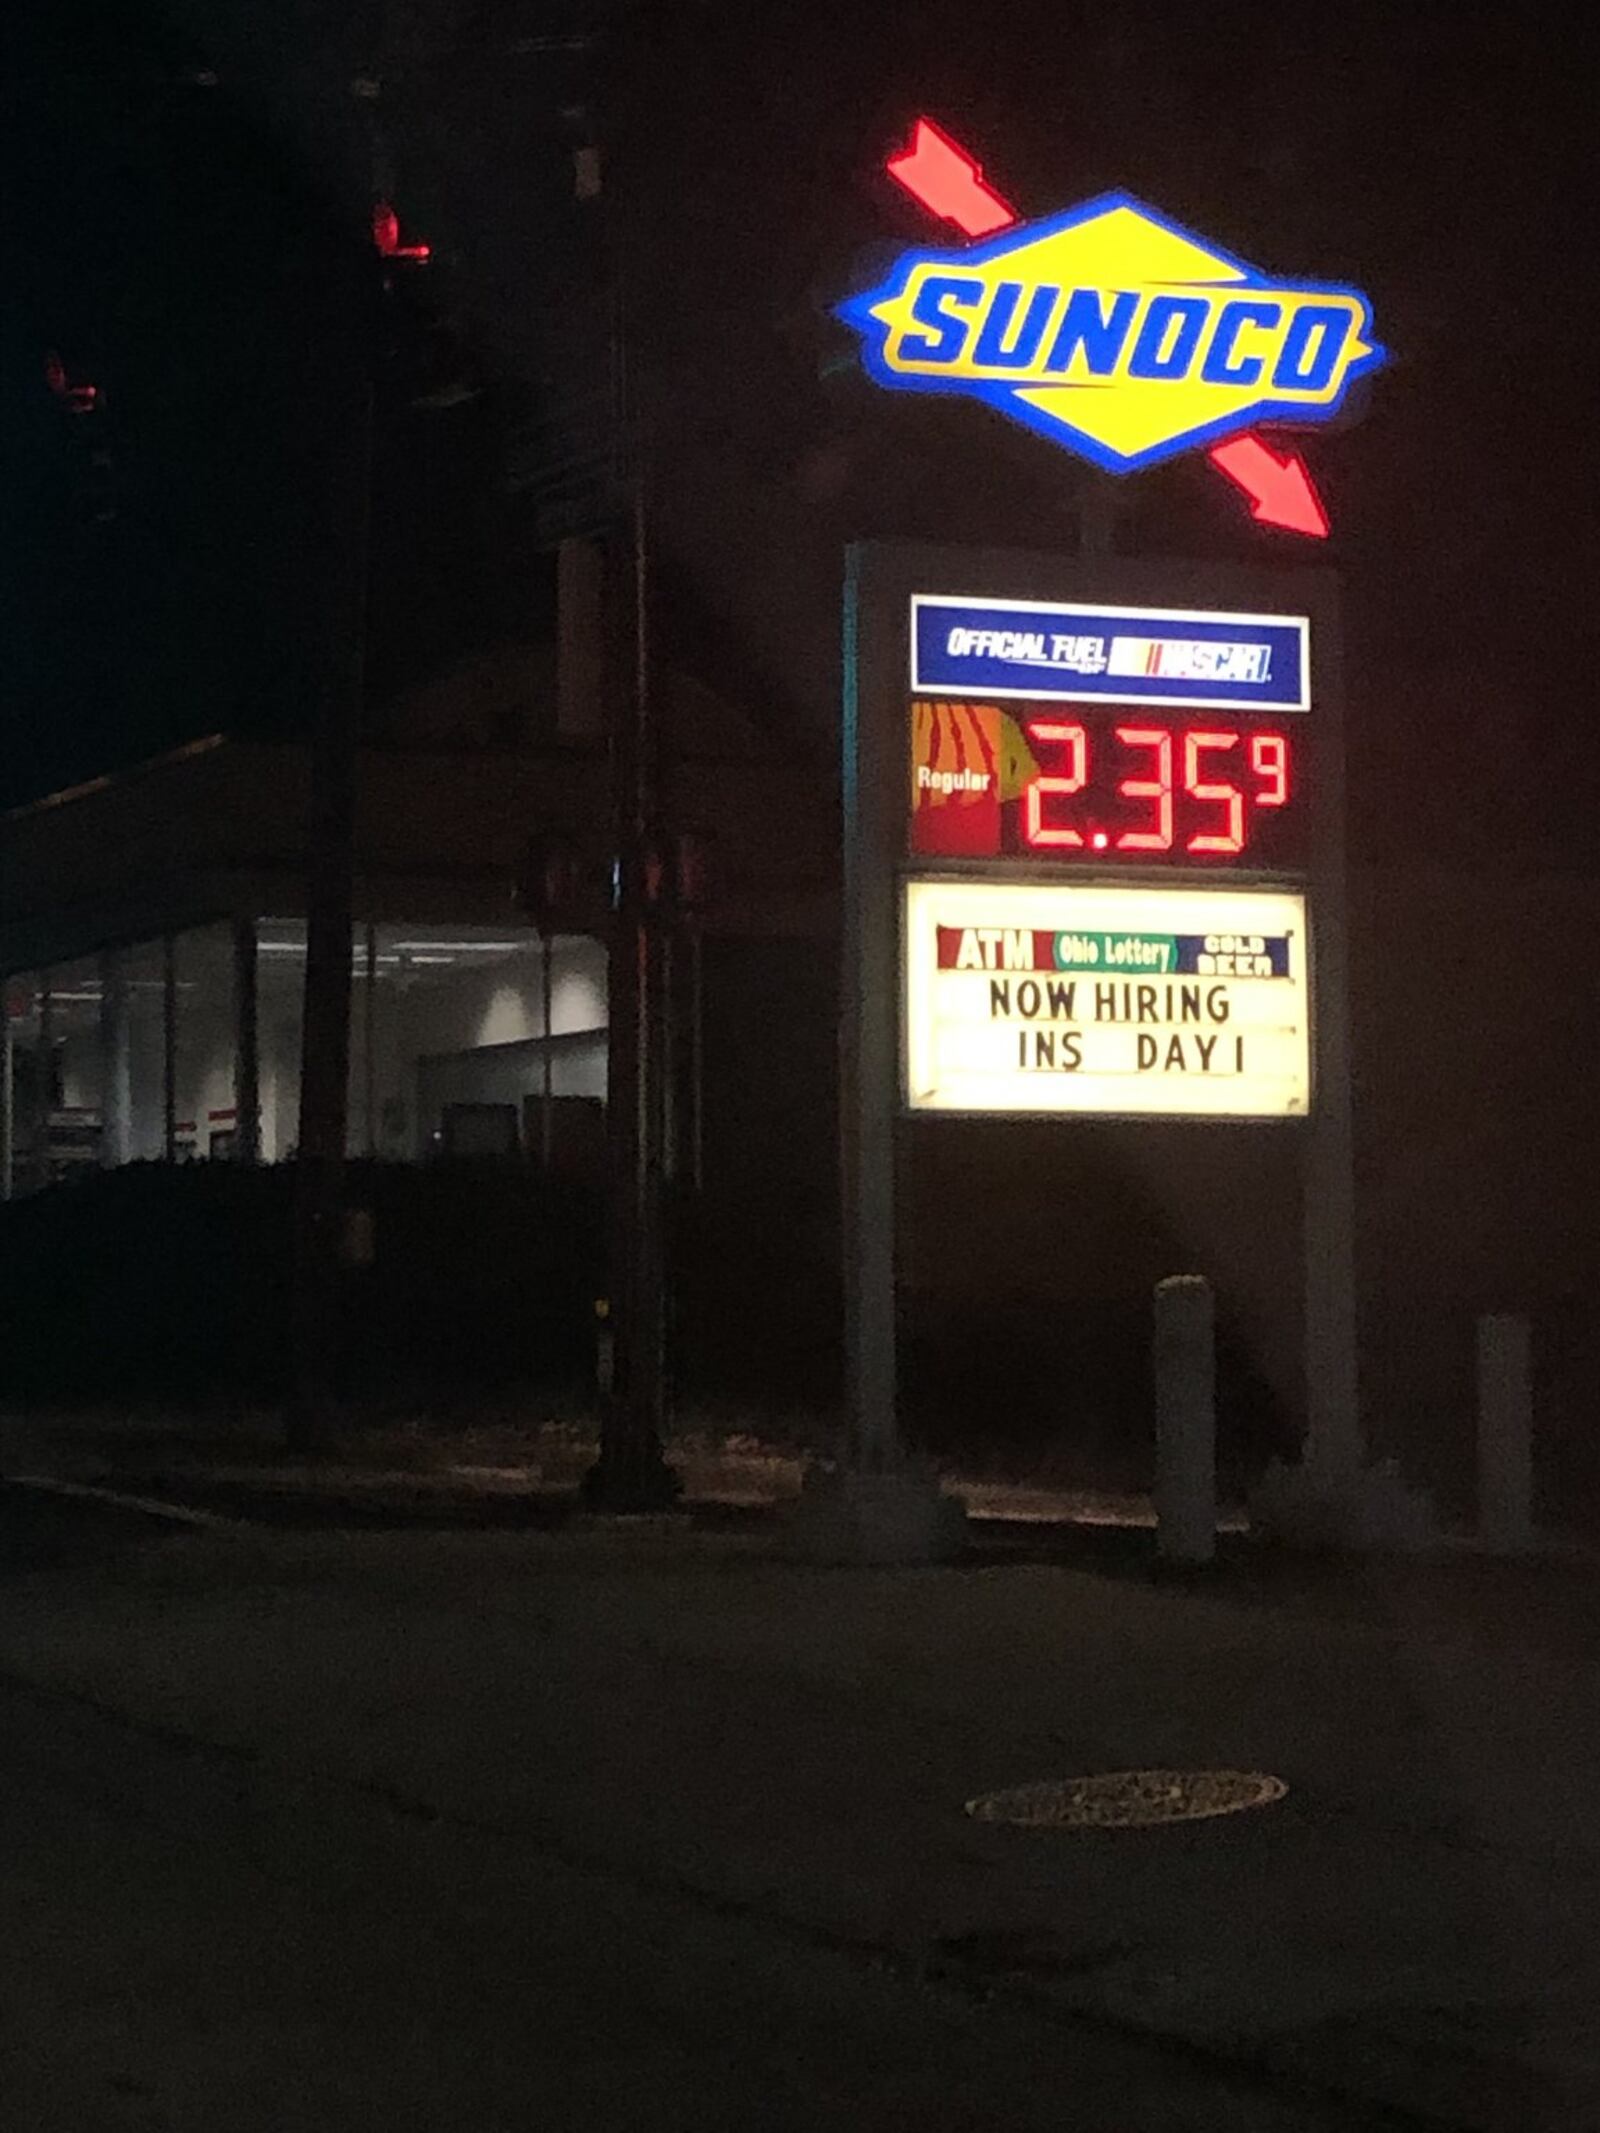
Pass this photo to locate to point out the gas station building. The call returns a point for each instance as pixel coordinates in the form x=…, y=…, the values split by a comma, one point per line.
x=153, y=946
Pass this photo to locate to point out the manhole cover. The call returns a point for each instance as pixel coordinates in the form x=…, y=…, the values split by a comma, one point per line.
x=1128, y=1799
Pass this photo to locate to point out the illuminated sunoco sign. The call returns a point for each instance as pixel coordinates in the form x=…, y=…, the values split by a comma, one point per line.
x=1114, y=331
x=1131, y=1002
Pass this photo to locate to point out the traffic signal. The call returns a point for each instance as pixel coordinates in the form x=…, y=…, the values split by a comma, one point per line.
x=386, y=236
x=558, y=883
x=692, y=874
x=83, y=403
x=76, y=395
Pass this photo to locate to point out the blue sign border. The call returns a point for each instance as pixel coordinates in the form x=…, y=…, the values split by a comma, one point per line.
x=856, y=311
x=1063, y=685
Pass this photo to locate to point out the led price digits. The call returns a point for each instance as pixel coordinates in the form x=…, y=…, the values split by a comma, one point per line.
x=1055, y=785
x=1231, y=838
x=1158, y=837
x=1223, y=775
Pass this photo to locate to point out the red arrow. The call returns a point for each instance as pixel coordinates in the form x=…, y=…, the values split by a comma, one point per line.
x=1279, y=490
x=948, y=183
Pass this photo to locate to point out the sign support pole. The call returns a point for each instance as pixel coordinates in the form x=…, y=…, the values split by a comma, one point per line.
x=1333, y=1422
x=868, y=1077
x=1333, y=1446
x=878, y=1507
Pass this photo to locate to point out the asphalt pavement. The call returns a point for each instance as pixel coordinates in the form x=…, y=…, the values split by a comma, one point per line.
x=630, y=1828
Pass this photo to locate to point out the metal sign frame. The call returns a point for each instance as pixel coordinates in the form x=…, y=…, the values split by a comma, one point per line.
x=880, y=581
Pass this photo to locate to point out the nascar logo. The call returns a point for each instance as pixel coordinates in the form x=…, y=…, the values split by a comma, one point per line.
x=1179, y=659
x=1114, y=331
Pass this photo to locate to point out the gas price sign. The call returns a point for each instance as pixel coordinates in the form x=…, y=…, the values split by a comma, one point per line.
x=1095, y=737
x=1085, y=743
x=1093, y=870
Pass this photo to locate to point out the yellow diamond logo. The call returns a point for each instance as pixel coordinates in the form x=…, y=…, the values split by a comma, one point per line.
x=1112, y=330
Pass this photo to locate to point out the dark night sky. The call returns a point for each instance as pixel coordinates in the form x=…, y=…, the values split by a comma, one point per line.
x=178, y=239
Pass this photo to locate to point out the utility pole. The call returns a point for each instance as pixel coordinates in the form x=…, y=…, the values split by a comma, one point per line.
x=325, y=1039
x=632, y=1473
x=369, y=250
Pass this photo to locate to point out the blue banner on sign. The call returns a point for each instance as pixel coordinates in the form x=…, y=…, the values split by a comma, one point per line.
x=1113, y=655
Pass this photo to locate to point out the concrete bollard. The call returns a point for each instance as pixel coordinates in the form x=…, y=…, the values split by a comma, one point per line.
x=1505, y=1434
x=1186, y=1422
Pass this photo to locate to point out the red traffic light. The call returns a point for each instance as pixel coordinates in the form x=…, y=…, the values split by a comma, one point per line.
x=552, y=881
x=76, y=395
x=386, y=236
